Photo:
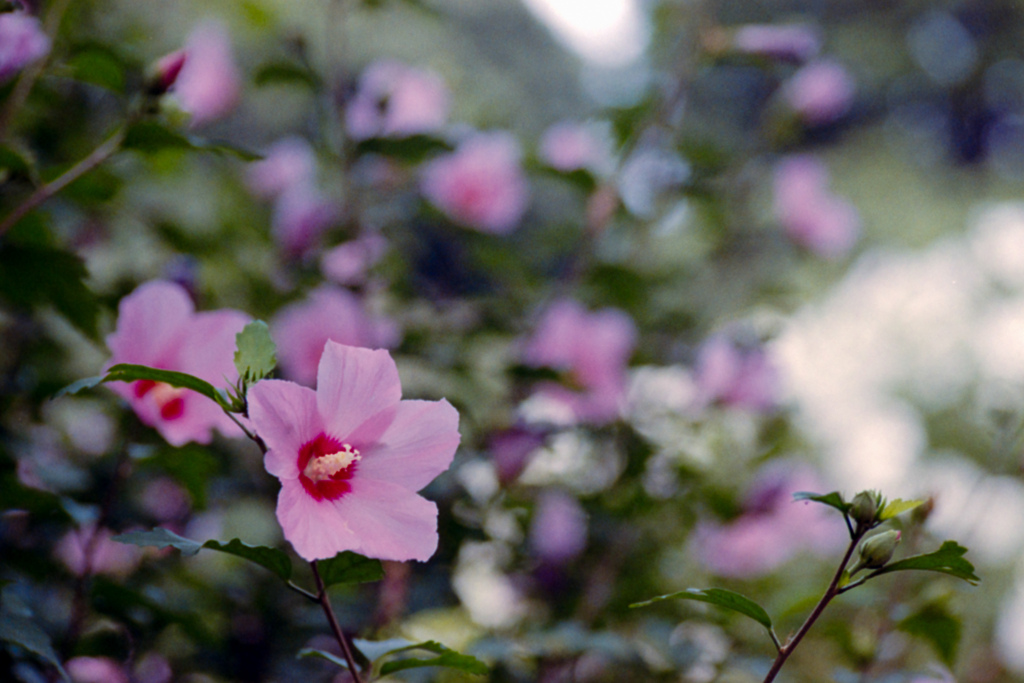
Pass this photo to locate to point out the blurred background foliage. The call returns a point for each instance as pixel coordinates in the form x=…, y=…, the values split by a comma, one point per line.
x=899, y=360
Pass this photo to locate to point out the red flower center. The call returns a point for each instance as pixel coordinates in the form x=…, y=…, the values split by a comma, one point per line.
x=325, y=467
x=166, y=397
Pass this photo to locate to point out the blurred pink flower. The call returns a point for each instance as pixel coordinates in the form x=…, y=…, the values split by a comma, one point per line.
x=95, y=670
x=571, y=146
x=157, y=326
x=287, y=163
x=481, y=184
x=153, y=667
x=812, y=216
x=300, y=330
x=396, y=100
x=787, y=42
x=22, y=41
x=348, y=263
x=558, y=532
x=593, y=349
x=351, y=456
x=208, y=86
x=87, y=551
x=773, y=527
x=820, y=92
x=301, y=215
x=511, y=449
x=736, y=375
x=287, y=175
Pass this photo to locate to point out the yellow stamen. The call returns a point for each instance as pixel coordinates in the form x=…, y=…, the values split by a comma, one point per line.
x=326, y=466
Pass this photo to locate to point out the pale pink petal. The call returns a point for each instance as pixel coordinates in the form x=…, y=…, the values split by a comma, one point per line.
x=149, y=324
x=209, y=85
x=317, y=530
x=391, y=522
x=285, y=417
x=353, y=385
x=208, y=349
x=418, y=446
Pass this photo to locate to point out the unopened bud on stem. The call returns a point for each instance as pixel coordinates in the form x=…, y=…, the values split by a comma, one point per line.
x=864, y=509
x=876, y=551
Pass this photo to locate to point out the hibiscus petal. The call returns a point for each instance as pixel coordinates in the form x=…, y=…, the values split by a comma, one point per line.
x=391, y=522
x=417, y=446
x=285, y=417
x=208, y=351
x=353, y=385
x=150, y=323
x=315, y=529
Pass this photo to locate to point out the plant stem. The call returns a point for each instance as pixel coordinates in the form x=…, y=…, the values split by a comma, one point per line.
x=44, y=192
x=832, y=591
x=325, y=602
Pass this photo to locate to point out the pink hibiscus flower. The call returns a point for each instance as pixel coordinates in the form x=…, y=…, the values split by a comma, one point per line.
x=22, y=41
x=737, y=375
x=820, y=92
x=813, y=216
x=569, y=146
x=352, y=455
x=158, y=326
x=786, y=42
x=396, y=100
x=207, y=84
x=481, y=184
x=773, y=527
x=329, y=313
x=593, y=349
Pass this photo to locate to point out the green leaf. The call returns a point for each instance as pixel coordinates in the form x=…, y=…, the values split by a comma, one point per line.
x=14, y=162
x=720, y=597
x=307, y=652
x=126, y=372
x=150, y=137
x=948, y=560
x=348, y=567
x=32, y=277
x=160, y=538
x=75, y=387
x=24, y=632
x=273, y=559
x=256, y=354
x=446, y=657
x=412, y=149
x=834, y=499
x=269, y=558
x=99, y=67
x=936, y=625
x=285, y=73
x=898, y=507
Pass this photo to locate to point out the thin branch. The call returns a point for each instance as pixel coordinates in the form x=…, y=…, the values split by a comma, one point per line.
x=44, y=192
x=325, y=602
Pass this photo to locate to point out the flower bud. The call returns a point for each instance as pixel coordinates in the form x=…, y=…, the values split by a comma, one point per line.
x=164, y=73
x=876, y=551
x=864, y=508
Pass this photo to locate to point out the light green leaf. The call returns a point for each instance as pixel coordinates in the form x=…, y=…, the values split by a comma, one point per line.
x=307, y=652
x=898, y=507
x=720, y=597
x=349, y=567
x=160, y=538
x=948, y=560
x=256, y=354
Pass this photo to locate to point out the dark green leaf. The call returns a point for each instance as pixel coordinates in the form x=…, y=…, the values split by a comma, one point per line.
x=14, y=162
x=720, y=597
x=935, y=624
x=834, y=499
x=413, y=149
x=285, y=73
x=126, y=372
x=269, y=558
x=349, y=567
x=24, y=632
x=948, y=560
x=149, y=137
x=33, y=276
x=273, y=559
x=98, y=67
x=256, y=354
x=446, y=657
x=160, y=538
